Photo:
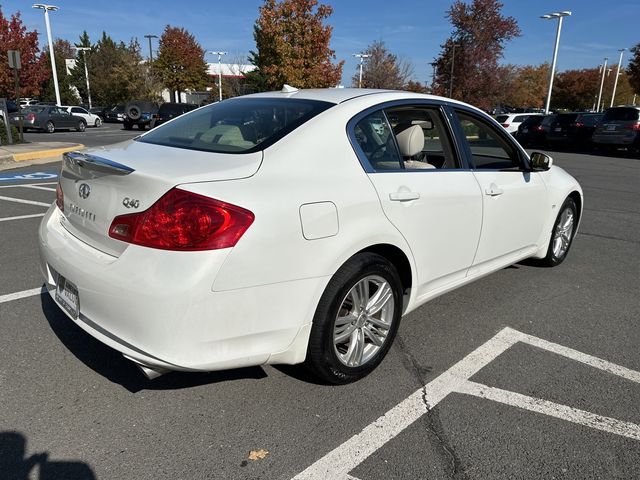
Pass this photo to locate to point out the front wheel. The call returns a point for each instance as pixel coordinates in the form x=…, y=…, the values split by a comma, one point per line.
x=81, y=127
x=562, y=234
x=50, y=127
x=356, y=320
x=98, y=122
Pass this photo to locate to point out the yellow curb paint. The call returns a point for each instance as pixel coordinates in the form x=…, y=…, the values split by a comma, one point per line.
x=21, y=157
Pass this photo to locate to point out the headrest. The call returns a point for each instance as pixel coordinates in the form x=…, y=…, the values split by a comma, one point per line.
x=410, y=141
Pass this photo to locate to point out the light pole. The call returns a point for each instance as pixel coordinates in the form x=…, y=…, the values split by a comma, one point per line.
x=453, y=62
x=361, y=56
x=86, y=71
x=615, y=81
x=559, y=16
x=46, y=9
x=433, y=74
x=604, y=71
x=150, y=50
x=220, y=54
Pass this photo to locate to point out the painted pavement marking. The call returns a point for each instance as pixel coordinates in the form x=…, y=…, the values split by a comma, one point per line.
x=22, y=217
x=24, y=294
x=337, y=464
x=28, y=176
x=28, y=202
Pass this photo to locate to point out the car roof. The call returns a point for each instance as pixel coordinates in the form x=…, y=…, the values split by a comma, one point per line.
x=341, y=95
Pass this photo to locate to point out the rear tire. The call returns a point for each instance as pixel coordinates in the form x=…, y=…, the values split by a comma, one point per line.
x=564, y=230
x=82, y=126
x=127, y=126
x=356, y=320
x=50, y=127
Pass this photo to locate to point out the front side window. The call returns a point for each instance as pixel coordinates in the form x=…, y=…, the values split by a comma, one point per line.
x=242, y=125
x=488, y=149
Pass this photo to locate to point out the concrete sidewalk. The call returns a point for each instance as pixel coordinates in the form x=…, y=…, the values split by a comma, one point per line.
x=13, y=155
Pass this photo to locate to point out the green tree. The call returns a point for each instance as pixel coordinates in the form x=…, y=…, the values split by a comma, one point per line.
x=180, y=64
x=633, y=69
x=15, y=36
x=62, y=50
x=292, y=46
x=383, y=69
x=477, y=42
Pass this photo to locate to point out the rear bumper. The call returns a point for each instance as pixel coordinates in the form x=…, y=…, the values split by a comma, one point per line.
x=158, y=308
x=622, y=140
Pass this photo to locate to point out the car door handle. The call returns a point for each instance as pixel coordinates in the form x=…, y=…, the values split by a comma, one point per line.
x=493, y=190
x=403, y=196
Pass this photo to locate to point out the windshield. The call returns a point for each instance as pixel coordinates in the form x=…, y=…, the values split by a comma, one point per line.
x=241, y=125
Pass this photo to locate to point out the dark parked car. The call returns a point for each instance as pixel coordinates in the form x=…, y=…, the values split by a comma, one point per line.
x=573, y=129
x=139, y=113
x=620, y=127
x=12, y=107
x=116, y=114
x=49, y=119
x=169, y=110
x=99, y=111
x=533, y=131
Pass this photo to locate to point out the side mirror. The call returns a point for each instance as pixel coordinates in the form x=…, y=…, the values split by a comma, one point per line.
x=541, y=161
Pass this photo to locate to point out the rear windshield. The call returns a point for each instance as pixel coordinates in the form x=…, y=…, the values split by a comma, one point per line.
x=566, y=118
x=34, y=109
x=589, y=119
x=241, y=125
x=533, y=120
x=621, y=114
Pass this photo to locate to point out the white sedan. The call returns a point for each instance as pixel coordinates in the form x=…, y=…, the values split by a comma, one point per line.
x=294, y=226
x=91, y=119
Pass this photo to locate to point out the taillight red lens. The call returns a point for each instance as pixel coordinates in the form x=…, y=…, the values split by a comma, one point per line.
x=633, y=126
x=182, y=220
x=505, y=125
x=577, y=125
x=59, y=197
x=30, y=117
x=538, y=128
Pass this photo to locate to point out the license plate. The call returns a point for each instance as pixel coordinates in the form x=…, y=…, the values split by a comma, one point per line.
x=67, y=296
x=558, y=129
x=611, y=127
x=525, y=130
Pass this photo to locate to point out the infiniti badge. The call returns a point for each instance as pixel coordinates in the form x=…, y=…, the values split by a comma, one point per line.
x=84, y=191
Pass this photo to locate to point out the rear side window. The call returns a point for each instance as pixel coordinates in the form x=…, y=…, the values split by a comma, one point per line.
x=621, y=114
x=242, y=125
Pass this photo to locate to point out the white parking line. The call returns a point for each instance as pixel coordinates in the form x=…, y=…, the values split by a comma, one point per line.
x=21, y=217
x=28, y=202
x=24, y=294
x=337, y=464
x=36, y=187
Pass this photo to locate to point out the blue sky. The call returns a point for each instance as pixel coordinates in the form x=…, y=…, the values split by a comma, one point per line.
x=412, y=29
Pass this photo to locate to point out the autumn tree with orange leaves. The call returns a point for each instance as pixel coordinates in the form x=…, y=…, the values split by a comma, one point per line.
x=180, y=64
x=292, y=46
x=15, y=36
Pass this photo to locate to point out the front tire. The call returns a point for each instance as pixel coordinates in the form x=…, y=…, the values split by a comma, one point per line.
x=98, y=123
x=564, y=230
x=356, y=320
x=82, y=126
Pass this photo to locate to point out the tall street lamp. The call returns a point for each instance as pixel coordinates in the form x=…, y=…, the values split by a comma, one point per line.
x=604, y=71
x=453, y=62
x=615, y=81
x=549, y=16
x=361, y=56
x=150, y=50
x=86, y=71
x=220, y=54
x=46, y=9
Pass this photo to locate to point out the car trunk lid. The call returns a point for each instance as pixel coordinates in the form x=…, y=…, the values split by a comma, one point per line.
x=129, y=178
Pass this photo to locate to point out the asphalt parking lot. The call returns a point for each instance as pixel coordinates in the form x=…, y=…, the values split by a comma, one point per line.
x=529, y=373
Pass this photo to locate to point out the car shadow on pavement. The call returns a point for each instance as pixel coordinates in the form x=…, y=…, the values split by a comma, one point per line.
x=112, y=365
x=15, y=465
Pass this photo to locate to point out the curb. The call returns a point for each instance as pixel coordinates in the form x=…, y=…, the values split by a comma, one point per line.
x=38, y=154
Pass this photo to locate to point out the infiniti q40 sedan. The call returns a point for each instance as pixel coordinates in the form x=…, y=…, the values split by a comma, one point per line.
x=294, y=226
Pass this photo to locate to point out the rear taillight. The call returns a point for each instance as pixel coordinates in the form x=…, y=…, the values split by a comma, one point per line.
x=538, y=128
x=182, y=220
x=634, y=126
x=30, y=117
x=59, y=197
x=505, y=125
x=577, y=125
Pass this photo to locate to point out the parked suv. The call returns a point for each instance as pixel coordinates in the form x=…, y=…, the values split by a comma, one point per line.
x=620, y=127
x=512, y=121
x=139, y=113
x=170, y=110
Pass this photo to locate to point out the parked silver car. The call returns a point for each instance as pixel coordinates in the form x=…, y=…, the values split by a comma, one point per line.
x=620, y=127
